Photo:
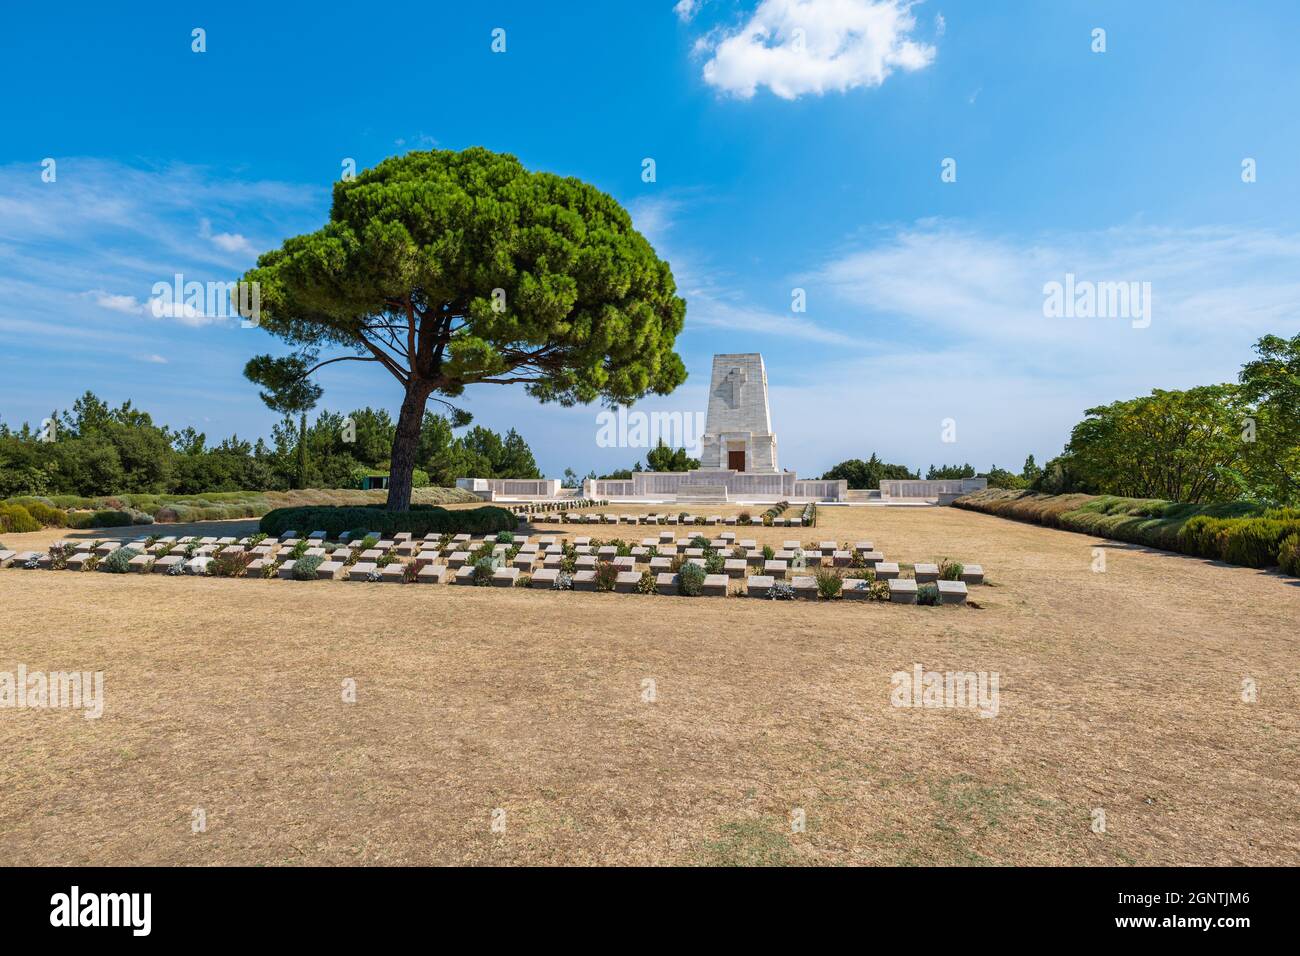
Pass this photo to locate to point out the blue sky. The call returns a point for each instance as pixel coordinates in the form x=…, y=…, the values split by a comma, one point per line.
x=777, y=167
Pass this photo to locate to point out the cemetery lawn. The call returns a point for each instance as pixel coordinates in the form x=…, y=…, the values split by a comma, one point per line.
x=1120, y=691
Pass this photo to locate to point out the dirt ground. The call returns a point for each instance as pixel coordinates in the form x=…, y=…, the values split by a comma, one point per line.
x=496, y=726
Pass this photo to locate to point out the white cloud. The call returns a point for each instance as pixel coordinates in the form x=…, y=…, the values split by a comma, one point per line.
x=231, y=242
x=795, y=47
x=940, y=25
x=164, y=307
x=154, y=359
x=704, y=310
x=686, y=9
x=128, y=304
x=653, y=218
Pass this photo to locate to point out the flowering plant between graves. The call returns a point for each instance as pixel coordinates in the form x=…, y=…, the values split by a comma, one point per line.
x=829, y=583
x=563, y=582
x=304, y=568
x=483, y=569
x=647, y=584
x=781, y=591
x=690, y=580
x=606, y=575
x=119, y=562
x=59, y=554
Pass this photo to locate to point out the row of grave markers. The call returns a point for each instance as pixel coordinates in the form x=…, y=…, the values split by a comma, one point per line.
x=452, y=563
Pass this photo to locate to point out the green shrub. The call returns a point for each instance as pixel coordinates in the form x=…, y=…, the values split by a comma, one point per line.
x=950, y=570
x=231, y=564
x=1288, y=555
x=647, y=583
x=505, y=537
x=1254, y=542
x=1239, y=532
x=119, y=562
x=483, y=571
x=690, y=580
x=17, y=519
x=47, y=516
x=419, y=521
x=98, y=519
x=927, y=594
x=606, y=575
x=768, y=553
x=59, y=554
x=304, y=569
x=829, y=583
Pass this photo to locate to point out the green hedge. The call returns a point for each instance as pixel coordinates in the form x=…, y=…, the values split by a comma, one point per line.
x=17, y=519
x=1241, y=532
x=419, y=521
x=99, y=519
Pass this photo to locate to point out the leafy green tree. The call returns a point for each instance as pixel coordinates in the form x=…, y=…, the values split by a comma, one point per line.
x=454, y=268
x=663, y=458
x=943, y=472
x=286, y=389
x=1271, y=383
x=867, y=474
x=1178, y=445
x=1002, y=478
x=1031, y=471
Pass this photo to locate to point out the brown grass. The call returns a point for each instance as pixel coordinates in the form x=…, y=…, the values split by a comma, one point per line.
x=1119, y=690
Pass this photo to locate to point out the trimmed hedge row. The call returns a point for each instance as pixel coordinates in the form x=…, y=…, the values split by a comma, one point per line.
x=419, y=521
x=1239, y=532
x=73, y=511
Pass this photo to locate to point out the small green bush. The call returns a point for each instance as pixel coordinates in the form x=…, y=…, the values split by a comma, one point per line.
x=1288, y=555
x=119, y=562
x=98, y=519
x=304, y=569
x=950, y=570
x=690, y=580
x=47, y=516
x=829, y=583
x=647, y=583
x=17, y=520
x=606, y=575
x=483, y=571
x=927, y=594
x=231, y=564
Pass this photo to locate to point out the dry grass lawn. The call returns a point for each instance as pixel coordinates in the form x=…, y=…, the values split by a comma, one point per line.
x=1120, y=691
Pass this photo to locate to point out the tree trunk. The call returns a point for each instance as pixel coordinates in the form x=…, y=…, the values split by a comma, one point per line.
x=302, y=451
x=405, y=444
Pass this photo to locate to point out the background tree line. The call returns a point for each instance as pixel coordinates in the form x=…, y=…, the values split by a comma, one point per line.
x=1205, y=445
x=93, y=450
